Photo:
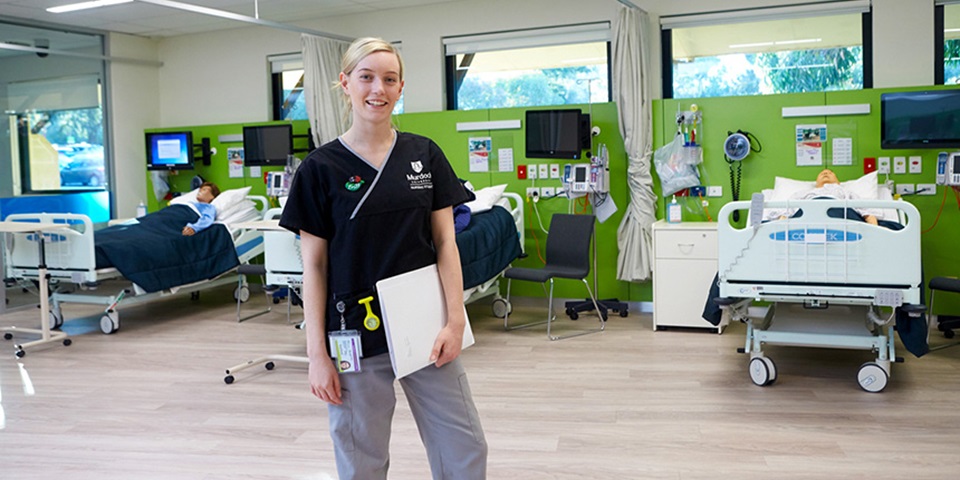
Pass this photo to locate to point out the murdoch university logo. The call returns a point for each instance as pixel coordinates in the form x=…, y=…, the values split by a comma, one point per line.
x=421, y=180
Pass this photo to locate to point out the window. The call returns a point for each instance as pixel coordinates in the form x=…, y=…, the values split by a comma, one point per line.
x=55, y=103
x=287, y=88
x=948, y=25
x=552, y=66
x=767, y=51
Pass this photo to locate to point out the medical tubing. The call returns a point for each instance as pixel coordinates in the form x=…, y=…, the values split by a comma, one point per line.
x=536, y=240
x=937, y=219
x=876, y=319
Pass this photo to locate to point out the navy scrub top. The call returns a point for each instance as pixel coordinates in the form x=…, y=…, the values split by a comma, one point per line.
x=377, y=223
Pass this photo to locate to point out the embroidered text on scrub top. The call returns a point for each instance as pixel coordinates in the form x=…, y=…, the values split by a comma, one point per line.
x=419, y=181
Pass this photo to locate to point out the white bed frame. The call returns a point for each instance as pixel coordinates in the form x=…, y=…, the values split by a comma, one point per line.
x=831, y=282
x=71, y=258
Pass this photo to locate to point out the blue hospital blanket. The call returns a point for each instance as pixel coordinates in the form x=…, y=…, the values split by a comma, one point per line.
x=488, y=244
x=155, y=254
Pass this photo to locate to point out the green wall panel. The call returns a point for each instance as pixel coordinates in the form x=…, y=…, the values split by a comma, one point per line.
x=762, y=116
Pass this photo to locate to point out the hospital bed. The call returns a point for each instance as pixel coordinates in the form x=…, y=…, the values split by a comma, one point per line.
x=491, y=241
x=826, y=280
x=73, y=256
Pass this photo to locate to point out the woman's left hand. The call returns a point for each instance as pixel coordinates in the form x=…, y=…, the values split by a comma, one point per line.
x=448, y=345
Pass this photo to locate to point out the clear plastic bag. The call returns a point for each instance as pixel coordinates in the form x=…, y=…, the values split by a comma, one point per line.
x=675, y=168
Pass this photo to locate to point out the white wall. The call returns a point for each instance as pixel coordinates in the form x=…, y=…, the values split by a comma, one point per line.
x=134, y=106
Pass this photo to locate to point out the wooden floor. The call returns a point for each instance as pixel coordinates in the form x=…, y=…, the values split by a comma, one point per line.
x=149, y=402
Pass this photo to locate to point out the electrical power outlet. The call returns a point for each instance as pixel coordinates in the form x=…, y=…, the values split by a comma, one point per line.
x=544, y=171
x=915, y=165
x=532, y=172
x=926, y=189
x=533, y=192
x=905, y=189
x=547, y=192
x=715, y=191
x=883, y=165
x=554, y=170
x=899, y=164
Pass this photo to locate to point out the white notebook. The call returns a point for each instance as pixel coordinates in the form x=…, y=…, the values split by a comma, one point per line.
x=414, y=311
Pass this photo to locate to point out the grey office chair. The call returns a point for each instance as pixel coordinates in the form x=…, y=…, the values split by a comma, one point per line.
x=567, y=256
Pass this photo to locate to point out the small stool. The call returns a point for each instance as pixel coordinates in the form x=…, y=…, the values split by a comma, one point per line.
x=945, y=323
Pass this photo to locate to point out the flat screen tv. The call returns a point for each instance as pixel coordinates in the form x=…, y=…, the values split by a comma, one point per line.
x=553, y=134
x=927, y=119
x=267, y=144
x=169, y=150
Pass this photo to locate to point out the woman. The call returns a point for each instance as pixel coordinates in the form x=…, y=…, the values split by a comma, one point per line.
x=369, y=205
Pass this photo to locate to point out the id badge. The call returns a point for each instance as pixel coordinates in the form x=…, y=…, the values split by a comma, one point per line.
x=346, y=349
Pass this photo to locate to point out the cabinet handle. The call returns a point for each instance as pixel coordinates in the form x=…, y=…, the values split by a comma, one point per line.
x=686, y=247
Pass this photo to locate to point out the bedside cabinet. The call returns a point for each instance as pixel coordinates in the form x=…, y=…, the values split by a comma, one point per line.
x=684, y=265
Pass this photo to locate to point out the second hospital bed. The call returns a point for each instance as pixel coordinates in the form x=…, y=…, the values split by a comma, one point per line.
x=826, y=279
x=150, y=253
x=490, y=242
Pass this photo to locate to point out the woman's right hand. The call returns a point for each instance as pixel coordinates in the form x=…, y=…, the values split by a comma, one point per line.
x=325, y=381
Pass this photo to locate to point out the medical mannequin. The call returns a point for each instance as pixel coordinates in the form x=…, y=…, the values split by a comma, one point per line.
x=369, y=205
x=828, y=186
x=208, y=213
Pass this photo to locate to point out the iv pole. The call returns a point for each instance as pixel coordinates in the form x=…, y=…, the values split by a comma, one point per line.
x=573, y=308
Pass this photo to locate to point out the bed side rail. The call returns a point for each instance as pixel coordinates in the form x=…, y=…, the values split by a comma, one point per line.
x=819, y=249
x=69, y=253
x=514, y=204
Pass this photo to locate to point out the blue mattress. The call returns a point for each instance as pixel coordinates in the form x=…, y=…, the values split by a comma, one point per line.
x=487, y=246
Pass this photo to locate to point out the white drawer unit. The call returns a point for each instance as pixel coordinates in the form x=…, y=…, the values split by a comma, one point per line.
x=684, y=265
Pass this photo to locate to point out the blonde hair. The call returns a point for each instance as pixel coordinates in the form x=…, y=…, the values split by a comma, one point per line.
x=357, y=51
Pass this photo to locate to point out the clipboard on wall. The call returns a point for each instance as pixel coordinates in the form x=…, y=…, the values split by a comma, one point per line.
x=414, y=311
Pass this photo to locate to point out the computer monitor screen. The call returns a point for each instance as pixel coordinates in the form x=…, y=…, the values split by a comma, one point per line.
x=553, y=134
x=169, y=150
x=267, y=144
x=925, y=119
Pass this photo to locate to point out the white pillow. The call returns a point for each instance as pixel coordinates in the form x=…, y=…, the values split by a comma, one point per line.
x=865, y=187
x=229, y=198
x=186, y=198
x=486, y=198
x=785, y=188
x=241, y=212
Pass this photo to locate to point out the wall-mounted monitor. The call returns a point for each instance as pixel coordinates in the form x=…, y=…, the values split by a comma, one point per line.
x=925, y=119
x=267, y=144
x=553, y=134
x=169, y=150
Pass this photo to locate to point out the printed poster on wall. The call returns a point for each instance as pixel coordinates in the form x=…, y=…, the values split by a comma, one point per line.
x=479, y=149
x=235, y=162
x=810, y=140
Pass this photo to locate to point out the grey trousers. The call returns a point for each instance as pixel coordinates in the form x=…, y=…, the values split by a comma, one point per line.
x=442, y=406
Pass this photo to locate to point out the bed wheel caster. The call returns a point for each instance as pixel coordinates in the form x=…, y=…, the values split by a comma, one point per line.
x=67, y=342
x=240, y=293
x=228, y=379
x=501, y=308
x=269, y=365
x=763, y=371
x=872, y=377
x=948, y=334
x=56, y=320
x=624, y=313
x=109, y=323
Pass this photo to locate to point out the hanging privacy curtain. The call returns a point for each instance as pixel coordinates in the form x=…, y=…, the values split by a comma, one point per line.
x=631, y=91
x=321, y=68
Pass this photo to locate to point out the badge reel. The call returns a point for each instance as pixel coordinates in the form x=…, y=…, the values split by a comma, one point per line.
x=345, y=345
